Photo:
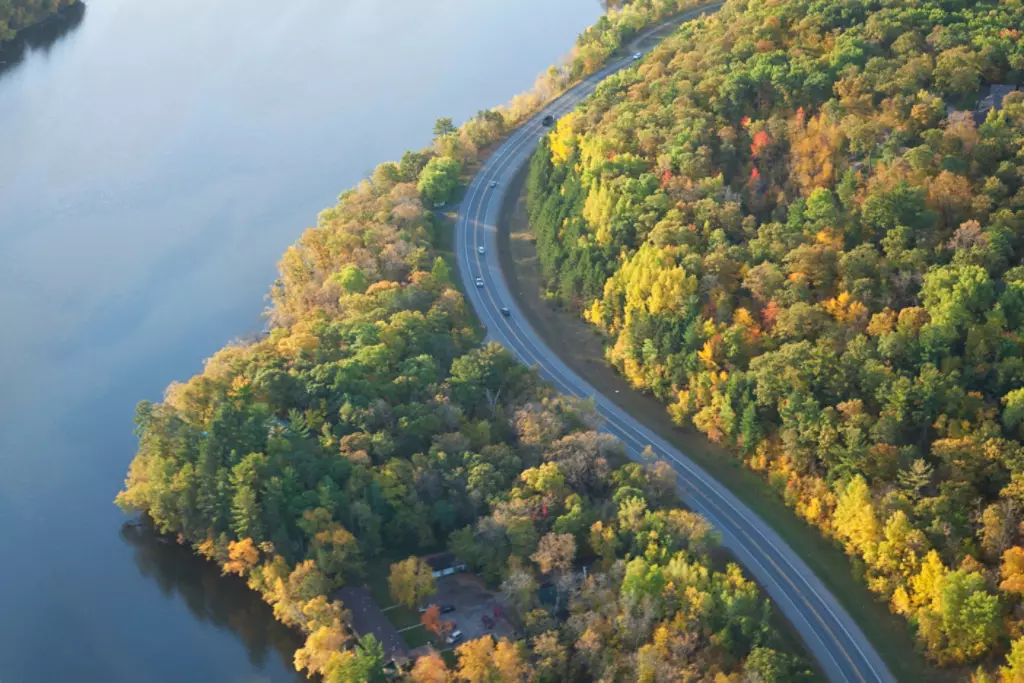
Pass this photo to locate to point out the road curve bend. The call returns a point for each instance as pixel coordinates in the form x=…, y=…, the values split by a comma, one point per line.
x=833, y=638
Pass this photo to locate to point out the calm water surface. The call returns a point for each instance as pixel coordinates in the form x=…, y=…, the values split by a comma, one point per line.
x=155, y=160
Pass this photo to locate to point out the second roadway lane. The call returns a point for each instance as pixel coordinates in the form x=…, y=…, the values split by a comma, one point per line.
x=832, y=637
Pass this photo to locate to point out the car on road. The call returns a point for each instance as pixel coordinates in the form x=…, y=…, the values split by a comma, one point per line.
x=505, y=312
x=488, y=622
x=479, y=282
x=480, y=249
x=638, y=55
x=494, y=183
x=455, y=636
x=447, y=609
x=547, y=120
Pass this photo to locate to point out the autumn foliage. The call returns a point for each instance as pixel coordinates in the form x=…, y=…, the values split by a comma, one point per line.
x=803, y=236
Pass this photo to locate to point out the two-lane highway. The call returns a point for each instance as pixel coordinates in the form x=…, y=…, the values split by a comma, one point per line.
x=835, y=640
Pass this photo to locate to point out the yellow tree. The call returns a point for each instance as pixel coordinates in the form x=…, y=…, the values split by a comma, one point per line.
x=599, y=210
x=508, y=662
x=475, y=661
x=480, y=661
x=411, y=582
x=242, y=557
x=320, y=646
x=337, y=551
x=563, y=139
x=1014, y=671
x=815, y=151
x=899, y=554
x=855, y=521
x=927, y=585
x=430, y=669
x=1012, y=571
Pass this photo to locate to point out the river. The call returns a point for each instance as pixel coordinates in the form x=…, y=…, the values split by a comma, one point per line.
x=156, y=158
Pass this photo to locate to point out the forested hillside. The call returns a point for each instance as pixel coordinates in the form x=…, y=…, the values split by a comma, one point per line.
x=17, y=14
x=800, y=225
x=370, y=423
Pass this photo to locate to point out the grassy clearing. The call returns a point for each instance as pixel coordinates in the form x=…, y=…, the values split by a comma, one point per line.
x=417, y=637
x=377, y=579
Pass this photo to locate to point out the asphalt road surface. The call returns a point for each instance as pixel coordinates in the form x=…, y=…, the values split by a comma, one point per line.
x=834, y=639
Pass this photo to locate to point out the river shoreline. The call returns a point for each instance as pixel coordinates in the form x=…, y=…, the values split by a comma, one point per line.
x=77, y=7
x=155, y=155
x=40, y=35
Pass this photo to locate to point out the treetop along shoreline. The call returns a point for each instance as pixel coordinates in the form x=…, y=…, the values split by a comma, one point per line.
x=21, y=15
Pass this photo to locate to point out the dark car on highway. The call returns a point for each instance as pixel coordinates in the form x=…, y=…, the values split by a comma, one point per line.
x=547, y=120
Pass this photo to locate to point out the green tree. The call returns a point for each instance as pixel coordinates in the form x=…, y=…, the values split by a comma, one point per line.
x=439, y=179
x=963, y=620
x=364, y=665
x=441, y=272
x=765, y=665
x=444, y=126
x=352, y=279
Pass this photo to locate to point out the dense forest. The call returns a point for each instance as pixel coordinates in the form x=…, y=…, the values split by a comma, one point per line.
x=800, y=225
x=369, y=423
x=17, y=14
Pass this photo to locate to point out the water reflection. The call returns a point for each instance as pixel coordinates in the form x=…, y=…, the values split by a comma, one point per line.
x=225, y=602
x=40, y=37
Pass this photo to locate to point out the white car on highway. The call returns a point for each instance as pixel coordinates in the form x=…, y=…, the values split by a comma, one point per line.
x=479, y=282
x=494, y=183
x=480, y=249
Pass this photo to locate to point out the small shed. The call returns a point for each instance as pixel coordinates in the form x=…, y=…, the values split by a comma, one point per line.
x=444, y=564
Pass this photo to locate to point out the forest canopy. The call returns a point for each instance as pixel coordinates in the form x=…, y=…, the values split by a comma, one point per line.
x=370, y=423
x=799, y=224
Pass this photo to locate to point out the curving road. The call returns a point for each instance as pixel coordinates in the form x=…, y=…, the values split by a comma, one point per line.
x=840, y=647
